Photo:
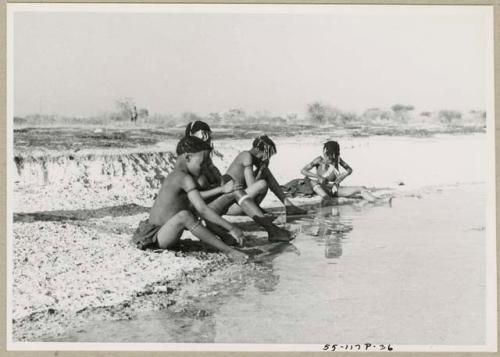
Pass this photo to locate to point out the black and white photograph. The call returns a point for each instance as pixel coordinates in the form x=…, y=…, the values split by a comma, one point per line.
x=224, y=177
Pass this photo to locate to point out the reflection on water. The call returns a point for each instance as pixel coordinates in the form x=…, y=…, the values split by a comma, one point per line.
x=328, y=228
x=333, y=247
x=353, y=274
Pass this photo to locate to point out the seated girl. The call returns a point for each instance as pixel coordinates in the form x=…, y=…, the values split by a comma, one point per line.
x=210, y=176
x=327, y=178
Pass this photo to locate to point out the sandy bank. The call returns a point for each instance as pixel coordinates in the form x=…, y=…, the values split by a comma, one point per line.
x=68, y=272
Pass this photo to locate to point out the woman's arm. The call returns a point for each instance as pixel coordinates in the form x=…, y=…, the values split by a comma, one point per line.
x=261, y=170
x=306, y=170
x=227, y=187
x=246, y=162
x=342, y=176
x=206, y=212
x=211, y=181
x=211, y=192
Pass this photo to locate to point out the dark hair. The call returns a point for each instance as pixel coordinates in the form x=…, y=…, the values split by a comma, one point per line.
x=333, y=148
x=195, y=126
x=265, y=144
x=191, y=145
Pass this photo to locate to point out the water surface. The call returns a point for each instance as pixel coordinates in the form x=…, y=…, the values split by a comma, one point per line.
x=408, y=273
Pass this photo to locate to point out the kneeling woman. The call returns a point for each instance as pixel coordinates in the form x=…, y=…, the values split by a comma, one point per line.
x=327, y=178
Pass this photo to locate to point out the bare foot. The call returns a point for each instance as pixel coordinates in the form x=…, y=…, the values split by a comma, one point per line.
x=280, y=235
x=387, y=200
x=270, y=216
x=228, y=239
x=237, y=256
x=326, y=201
x=295, y=211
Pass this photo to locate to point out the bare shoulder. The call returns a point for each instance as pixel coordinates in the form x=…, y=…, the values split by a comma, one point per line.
x=244, y=158
x=183, y=178
x=179, y=180
x=318, y=160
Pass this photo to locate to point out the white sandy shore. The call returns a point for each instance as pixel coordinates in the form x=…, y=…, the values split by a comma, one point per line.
x=64, y=268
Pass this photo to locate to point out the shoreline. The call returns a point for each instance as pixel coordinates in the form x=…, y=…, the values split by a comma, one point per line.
x=133, y=140
x=95, y=274
x=153, y=297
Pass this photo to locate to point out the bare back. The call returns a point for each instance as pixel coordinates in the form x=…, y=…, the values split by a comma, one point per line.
x=171, y=198
x=237, y=167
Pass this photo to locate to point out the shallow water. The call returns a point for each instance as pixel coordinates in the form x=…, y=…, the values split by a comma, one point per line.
x=412, y=272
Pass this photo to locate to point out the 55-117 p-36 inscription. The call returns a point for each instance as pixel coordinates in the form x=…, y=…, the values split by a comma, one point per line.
x=357, y=347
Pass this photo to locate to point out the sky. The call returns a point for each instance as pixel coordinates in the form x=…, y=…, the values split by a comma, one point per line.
x=269, y=58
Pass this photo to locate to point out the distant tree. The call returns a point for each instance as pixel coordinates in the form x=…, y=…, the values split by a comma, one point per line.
x=449, y=116
x=261, y=117
x=474, y=117
x=277, y=120
x=478, y=113
x=19, y=121
x=401, y=112
x=127, y=109
x=143, y=113
x=214, y=118
x=187, y=117
x=234, y=116
x=396, y=108
x=376, y=114
x=317, y=112
x=292, y=118
x=324, y=114
x=348, y=117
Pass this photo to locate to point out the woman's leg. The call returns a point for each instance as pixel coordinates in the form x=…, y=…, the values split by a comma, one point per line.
x=257, y=192
x=171, y=231
x=221, y=232
x=321, y=192
x=351, y=191
x=275, y=233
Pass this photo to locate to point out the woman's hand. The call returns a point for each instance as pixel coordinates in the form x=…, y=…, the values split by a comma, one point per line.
x=237, y=234
x=322, y=180
x=231, y=186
